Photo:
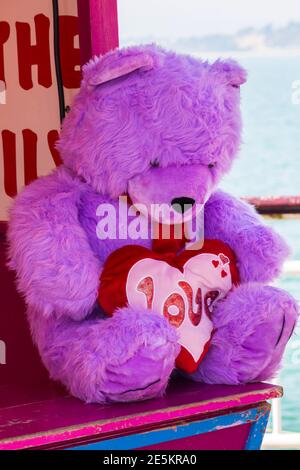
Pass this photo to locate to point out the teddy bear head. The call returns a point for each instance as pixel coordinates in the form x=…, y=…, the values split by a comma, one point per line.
x=156, y=125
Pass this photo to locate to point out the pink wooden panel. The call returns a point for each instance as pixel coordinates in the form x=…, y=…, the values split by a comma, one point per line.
x=98, y=27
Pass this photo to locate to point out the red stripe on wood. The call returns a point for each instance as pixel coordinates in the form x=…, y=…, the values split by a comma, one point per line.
x=30, y=155
x=4, y=35
x=275, y=200
x=84, y=30
x=276, y=204
x=9, y=162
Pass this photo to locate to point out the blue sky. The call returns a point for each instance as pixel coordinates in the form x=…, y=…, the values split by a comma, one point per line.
x=183, y=18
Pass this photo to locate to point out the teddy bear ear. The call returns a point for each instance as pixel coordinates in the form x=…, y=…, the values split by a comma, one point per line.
x=114, y=65
x=231, y=72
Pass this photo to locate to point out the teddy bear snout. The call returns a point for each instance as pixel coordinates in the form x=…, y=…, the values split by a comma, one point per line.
x=182, y=204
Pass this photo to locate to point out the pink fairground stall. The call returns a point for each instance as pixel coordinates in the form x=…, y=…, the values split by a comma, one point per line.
x=36, y=413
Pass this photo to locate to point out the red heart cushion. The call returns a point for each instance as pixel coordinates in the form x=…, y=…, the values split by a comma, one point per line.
x=181, y=287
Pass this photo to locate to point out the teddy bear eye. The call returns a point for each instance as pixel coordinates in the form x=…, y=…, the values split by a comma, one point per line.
x=212, y=165
x=154, y=163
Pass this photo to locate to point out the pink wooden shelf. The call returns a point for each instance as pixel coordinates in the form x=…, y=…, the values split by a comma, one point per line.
x=34, y=417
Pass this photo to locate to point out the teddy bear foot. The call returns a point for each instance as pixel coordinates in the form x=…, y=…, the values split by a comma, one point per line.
x=144, y=376
x=143, y=367
x=253, y=325
x=129, y=356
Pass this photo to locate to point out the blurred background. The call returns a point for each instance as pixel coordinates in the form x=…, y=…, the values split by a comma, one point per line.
x=264, y=36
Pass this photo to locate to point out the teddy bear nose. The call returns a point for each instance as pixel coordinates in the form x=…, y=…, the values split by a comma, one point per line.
x=182, y=204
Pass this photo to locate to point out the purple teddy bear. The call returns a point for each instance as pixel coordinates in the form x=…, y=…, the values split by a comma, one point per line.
x=157, y=126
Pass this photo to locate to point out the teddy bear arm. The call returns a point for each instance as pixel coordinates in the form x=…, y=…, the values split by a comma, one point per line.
x=260, y=251
x=56, y=269
x=252, y=327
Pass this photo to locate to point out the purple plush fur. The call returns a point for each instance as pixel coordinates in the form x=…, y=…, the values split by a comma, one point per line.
x=136, y=107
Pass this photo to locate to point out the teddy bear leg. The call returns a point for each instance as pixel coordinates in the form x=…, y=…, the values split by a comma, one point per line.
x=126, y=357
x=252, y=327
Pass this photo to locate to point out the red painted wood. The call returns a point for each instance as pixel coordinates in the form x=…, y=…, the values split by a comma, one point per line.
x=84, y=27
x=104, y=25
x=9, y=162
x=234, y=438
x=30, y=154
x=98, y=27
x=276, y=204
x=23, y=365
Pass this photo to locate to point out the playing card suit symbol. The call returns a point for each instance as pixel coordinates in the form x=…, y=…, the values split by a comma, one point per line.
x=215, y=263
x=224, y=259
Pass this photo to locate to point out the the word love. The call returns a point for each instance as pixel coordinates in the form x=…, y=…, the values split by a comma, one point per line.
x=174, y=307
